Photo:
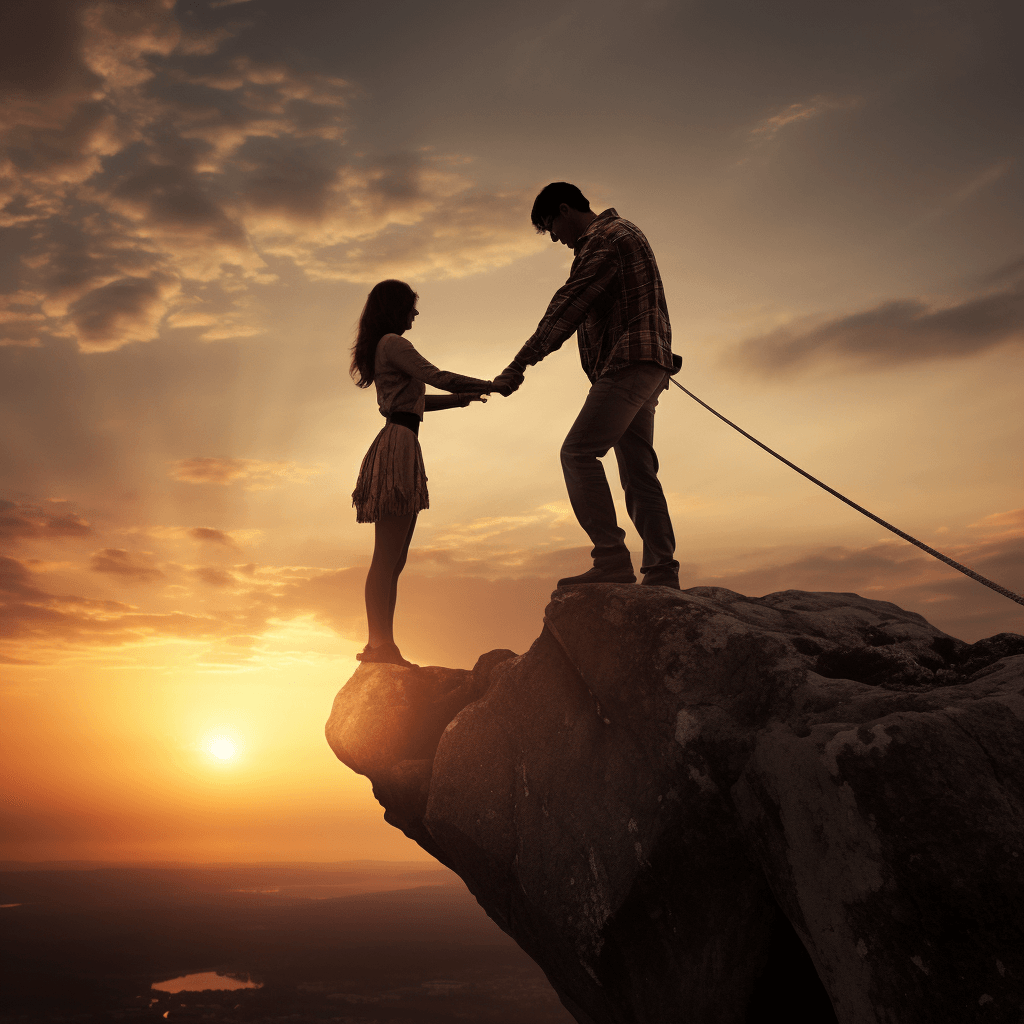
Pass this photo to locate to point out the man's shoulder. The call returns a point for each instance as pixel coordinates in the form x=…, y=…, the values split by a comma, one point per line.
x=627, y=229
x=601, y=233
x=615, y=230
x=616, y=237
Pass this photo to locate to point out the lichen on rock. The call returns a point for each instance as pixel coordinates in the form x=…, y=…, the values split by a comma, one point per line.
x=686, y=806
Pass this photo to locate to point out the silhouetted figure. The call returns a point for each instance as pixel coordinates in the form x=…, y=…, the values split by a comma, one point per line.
x=392, y=485
x=615, y=304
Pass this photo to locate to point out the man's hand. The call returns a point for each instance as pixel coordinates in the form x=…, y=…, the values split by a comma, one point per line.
x=508, y=381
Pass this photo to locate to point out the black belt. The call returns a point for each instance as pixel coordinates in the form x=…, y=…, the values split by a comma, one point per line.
x=406, y=419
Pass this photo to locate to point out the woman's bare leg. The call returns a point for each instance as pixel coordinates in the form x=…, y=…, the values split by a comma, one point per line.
x=390, y=546
x=398, y=572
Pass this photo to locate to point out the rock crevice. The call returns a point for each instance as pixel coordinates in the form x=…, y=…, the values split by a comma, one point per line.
x=688, y=806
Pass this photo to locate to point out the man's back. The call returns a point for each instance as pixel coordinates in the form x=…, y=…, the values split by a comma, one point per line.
x=629, y=322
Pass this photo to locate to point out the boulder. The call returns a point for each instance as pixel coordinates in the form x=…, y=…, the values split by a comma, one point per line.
x=698, y=806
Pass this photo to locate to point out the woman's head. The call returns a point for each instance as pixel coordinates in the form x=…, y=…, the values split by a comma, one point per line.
x=389, y=309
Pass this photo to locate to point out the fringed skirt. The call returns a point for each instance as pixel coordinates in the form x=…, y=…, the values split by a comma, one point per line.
x=392, y=480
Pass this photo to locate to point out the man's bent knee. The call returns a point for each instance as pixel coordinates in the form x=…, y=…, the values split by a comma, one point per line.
x=581, y=450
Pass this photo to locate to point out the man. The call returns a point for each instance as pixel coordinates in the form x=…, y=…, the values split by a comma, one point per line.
x=615, y=304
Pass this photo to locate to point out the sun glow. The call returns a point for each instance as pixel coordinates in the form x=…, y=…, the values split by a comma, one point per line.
x=222, y=747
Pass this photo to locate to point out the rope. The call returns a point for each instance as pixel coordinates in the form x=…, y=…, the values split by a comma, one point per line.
x=881, y=522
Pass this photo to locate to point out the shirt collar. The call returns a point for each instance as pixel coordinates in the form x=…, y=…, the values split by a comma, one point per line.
x=600, y=219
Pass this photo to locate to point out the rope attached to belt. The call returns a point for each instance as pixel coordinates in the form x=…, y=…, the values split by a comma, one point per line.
x=881, y=522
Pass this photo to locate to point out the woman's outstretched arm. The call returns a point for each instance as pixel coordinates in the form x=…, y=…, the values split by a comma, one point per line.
x=435, y=403
x=402, y=354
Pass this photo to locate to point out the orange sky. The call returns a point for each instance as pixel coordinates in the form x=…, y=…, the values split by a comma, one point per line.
x=196, y=198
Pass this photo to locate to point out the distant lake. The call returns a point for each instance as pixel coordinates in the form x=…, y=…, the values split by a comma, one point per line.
x=202, y=982
x=402, y=943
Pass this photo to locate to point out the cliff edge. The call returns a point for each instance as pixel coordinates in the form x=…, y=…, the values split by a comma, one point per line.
x=703, y=807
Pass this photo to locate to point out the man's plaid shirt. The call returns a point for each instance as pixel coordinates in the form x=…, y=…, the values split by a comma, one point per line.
x=613, y=301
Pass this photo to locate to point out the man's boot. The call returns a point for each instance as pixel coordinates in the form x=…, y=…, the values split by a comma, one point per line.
x=621, y=572
x=662, y=576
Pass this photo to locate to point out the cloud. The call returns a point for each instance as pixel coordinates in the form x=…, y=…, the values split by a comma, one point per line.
x=458, y=603
x=202, y=534
x=835, y=568
x=29, y=613
x=1011, y=270
x=251, y=602
x=989, y=176
x=505, y=546
x=46, y=624
x=40, y=47
x=207, y=533
x=137, y=566
x=898, y=572
x=20, y=321
x=129, y=309
x=766, y=129
x=893, y=333
x=1001, y=523
x=214, y=576
x=152, y=170
x=459, y=235
x=255, y=473
x=15, y=579
x=451, y=611
x=26, y=522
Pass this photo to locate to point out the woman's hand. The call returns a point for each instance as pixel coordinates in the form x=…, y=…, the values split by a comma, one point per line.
x=481, y=397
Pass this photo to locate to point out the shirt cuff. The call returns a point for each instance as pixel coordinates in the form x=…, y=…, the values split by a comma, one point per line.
x=525, y=357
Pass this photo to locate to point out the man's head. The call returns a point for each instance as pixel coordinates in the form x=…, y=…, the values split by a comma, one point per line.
x=562, y=211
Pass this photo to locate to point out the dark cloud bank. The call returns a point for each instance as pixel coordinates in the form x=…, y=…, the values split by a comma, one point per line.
x=454, y=613
x=151, y=171
x=898, y=332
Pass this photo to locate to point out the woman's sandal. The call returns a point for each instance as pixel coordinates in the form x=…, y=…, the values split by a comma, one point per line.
x=385, y=654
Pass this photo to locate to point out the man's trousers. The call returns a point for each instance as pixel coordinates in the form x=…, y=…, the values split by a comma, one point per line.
x=619, y=414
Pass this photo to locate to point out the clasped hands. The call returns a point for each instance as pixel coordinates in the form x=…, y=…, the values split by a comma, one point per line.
x=508, y=380
x=504, y=384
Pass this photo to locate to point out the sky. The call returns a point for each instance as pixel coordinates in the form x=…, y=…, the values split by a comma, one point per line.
x=196, y=198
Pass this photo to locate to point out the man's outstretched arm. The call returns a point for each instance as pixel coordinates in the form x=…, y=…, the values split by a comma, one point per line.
x=590, y=280
x=509, y=379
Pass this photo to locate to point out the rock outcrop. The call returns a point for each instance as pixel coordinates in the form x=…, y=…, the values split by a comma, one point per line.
x=691, y=806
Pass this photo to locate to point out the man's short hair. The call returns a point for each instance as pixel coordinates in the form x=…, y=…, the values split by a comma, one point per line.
x=551, y=197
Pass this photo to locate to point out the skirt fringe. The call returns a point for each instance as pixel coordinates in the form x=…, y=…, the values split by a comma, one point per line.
x=392, y=479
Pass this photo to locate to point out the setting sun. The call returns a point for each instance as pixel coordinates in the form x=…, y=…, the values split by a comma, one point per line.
x=222, y=747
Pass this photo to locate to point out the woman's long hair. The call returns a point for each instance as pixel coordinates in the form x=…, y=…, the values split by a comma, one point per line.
x=386, y=312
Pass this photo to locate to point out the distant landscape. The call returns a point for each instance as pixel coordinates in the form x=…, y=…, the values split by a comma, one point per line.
x=357, y=943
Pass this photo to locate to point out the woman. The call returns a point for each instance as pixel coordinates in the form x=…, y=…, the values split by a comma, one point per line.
x=392, y=485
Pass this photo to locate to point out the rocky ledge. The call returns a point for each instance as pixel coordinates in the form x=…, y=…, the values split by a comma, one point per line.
x=697, y=806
